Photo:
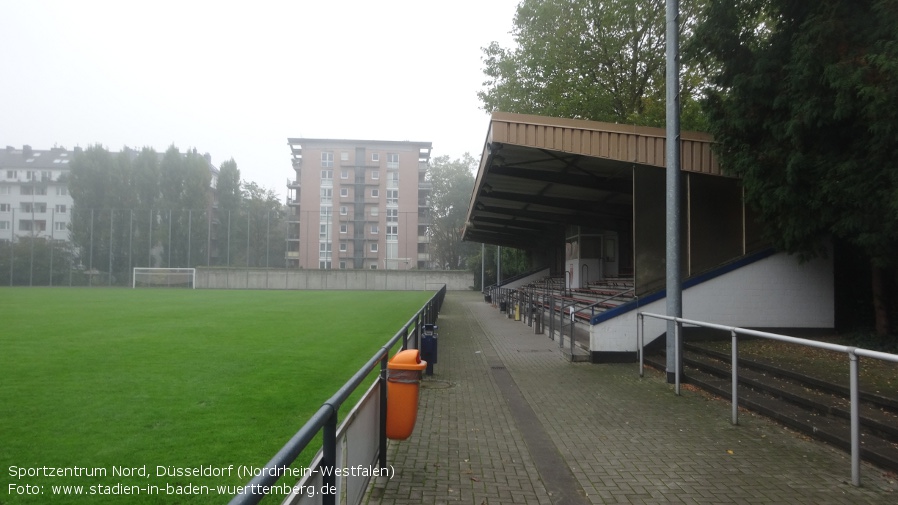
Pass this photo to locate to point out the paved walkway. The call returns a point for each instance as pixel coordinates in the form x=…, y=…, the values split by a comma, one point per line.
x=505, y=419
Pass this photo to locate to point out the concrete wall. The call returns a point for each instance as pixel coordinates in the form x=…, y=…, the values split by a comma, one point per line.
x=775, y=292
x=393, y=280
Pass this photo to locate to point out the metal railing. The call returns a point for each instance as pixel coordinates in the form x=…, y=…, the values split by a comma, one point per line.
x=853, y=354
x=592, y=306
x=325, y=419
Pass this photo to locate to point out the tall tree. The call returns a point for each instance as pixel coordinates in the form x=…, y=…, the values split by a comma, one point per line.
x=601, y=60
x=453, y=183
x=229, y=195
x=805, y=109
x=258, y=236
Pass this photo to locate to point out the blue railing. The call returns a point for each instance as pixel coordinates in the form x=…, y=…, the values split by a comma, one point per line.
x=325, y=419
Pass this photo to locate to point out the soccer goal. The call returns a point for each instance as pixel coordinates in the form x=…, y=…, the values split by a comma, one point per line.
x=145, y=277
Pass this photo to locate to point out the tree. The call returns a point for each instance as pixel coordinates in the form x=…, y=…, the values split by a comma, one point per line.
x=601, y=60
x=805, y=109
x=229, y=195
x=453, y=184
x=35, y=261
x=257, y=233
x=512, y=262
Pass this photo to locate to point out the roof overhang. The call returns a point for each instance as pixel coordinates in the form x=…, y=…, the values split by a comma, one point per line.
x=538, y=174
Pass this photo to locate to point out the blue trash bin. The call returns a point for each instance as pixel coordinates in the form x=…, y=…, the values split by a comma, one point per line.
x=429, y=346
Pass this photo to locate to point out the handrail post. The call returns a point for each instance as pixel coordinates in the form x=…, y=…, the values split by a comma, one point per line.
x=551, y=316
x=640, y=341
x=329, y=458
x=404, y=339
x=677, y=325
x=382, y=430
x=735, y=377
x=855, y=419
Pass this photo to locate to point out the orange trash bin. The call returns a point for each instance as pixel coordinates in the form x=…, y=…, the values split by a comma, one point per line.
x=403, y=382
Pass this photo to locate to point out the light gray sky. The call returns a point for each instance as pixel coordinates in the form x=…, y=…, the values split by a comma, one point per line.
x=235, y=79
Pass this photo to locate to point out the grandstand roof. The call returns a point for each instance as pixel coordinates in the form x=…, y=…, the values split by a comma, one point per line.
x=540, y=173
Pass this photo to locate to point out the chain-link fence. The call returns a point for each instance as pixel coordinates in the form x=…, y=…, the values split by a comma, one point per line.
x=102, y=246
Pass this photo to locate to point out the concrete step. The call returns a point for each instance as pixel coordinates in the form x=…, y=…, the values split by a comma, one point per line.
x=782, y=401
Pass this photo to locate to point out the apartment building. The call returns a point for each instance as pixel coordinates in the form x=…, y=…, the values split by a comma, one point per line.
x=34, y=195
x=358, y=204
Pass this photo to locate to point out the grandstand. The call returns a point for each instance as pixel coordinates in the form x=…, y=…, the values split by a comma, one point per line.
x=587, y=201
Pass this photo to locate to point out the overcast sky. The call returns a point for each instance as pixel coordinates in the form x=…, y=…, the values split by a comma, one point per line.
x=236, y=79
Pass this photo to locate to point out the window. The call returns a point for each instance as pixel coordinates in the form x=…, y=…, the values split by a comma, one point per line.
x=375, y=157
x=324, y=247
x=30, y=174
x=11, y=174
x=374, y=230
x=323, y=231
x=40, y=191
x=60, y=209
x=327, y=175
x=342, y=265
x=343, y=228
x=26, y=190
x=324, y=265
x=375, y=174
x=375, y=211
x=327, y=195
x=60, y=226
x=62, y=190
x=26, y=207
x=392, y=232
x=344, y=192
x=392, y=215
x=25, y=225
x=326, y=211
x=392, y=196
x=40, y=207
x=342, y=246
x=4, y=207
x=45, y=176
x=374, y=247
x=392, y=160
x=343, y=210
x=4, y=225
x=373, y=266
x=344, y=174
x=327, y=159
x=344, y=156
x=375, y=193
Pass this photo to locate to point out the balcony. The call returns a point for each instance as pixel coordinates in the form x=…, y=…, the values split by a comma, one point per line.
x=293, y=184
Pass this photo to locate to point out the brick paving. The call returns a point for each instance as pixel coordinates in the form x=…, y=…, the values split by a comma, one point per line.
x=506, y=419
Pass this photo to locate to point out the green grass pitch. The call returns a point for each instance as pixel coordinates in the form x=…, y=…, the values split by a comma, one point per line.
x=113, y=378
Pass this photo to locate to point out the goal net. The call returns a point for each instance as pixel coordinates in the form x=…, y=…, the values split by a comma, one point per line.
x=164, y=278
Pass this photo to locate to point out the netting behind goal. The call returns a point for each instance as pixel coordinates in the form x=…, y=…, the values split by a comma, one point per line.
x=164, y=278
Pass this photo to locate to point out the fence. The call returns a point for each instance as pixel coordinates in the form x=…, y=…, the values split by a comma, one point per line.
x=852, y=352
x=100, y=247
x=325, y=422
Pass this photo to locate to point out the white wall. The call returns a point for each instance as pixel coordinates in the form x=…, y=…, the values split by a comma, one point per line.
x=397, y=280
x=775, y=292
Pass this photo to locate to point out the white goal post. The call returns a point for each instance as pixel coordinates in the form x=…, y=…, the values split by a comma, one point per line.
x=145, y=277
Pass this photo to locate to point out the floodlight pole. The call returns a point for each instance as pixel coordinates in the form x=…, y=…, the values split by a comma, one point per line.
x=674, y=285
